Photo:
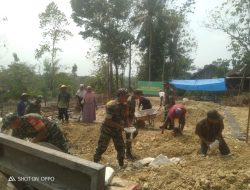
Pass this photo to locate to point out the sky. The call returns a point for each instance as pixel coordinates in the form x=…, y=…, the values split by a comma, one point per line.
x=22, y=35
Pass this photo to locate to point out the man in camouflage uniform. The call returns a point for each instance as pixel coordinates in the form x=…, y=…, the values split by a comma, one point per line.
x=131, y=102
x=169, y=98
x=34, y=107
x=36, y=127
x=112, y=127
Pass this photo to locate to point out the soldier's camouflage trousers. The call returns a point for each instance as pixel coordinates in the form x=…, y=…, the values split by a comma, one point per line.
x=57, y=138
x=108, y=133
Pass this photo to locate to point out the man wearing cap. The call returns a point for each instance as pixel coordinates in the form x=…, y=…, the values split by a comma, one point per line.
x=80, y=95
x=63, y=104
x=36, y=127
x=35, y=107
x=131, y=102
x=22, y=104
x=113, y=125
x=209, y=131
x=177, y=114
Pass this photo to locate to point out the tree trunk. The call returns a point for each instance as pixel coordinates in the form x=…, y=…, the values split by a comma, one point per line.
x=53, y=66
x=110, y=80
x=108, y=83
x=150, y=49
x=116, y=77
x=129, y=64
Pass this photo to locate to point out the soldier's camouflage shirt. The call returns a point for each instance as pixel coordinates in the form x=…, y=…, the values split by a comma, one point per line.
x=29, y=129
x=117, y=112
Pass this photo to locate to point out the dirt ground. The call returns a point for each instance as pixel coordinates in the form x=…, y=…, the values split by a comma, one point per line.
x=194, y=172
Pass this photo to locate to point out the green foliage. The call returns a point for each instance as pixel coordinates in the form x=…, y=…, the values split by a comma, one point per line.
x=222, y=66
x=233, y=18
x=217, y=69
x=163, y=39
x=19, y=78
x=74, y=70
x=53, y=22
x=16, y=58
x=107, y=22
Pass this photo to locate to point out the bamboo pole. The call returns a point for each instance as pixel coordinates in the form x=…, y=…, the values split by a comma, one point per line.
x=248, y=121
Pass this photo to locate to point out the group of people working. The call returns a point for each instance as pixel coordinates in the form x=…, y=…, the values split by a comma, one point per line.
x=28, y=123
x=28, y=120
x=120, y=114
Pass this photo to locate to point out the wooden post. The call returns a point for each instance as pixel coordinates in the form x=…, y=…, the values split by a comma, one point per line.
x=248, y=121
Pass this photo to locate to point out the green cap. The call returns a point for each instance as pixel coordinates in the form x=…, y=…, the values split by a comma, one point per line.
x=122, y=92
x=8, y=119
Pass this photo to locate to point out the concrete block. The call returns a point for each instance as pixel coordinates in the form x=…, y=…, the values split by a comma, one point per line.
x=25, y=160
x=109, y=174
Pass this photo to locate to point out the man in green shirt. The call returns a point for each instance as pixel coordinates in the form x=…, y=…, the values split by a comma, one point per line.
x=63, y=104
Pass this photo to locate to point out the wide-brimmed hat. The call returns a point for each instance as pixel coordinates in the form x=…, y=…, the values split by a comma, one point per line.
x=24, y=94
x=63, y=86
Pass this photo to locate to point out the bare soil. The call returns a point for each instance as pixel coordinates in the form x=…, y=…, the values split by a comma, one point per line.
x=194, y=172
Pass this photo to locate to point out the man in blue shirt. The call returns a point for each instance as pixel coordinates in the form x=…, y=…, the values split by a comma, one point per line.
x=22, y=104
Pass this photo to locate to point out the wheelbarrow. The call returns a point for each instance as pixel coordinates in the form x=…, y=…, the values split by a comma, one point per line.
x=147, y=115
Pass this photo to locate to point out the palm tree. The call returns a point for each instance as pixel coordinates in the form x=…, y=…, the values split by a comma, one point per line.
x=146, y=14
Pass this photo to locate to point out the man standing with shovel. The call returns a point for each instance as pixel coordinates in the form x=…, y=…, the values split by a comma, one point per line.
x=131, y=132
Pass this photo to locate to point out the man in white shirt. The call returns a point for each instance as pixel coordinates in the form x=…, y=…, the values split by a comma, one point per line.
x=162, y=96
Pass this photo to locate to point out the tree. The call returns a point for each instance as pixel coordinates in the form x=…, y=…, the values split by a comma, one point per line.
x=145, y=13
x=233, y=18
x=222, y=67
x=53, y=22
x=163, y=36
x=16, y=58
x=105, y=21
x=74, y=70
x=19, y=78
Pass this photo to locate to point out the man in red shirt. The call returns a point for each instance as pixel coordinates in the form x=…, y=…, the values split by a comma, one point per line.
x=176, y=112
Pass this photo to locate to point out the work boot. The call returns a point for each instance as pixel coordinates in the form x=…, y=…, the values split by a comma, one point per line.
x=96, y=160
x=121, y=162
x=129, y=155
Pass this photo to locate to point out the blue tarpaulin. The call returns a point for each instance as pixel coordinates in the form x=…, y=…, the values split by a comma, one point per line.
x=200, y=85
